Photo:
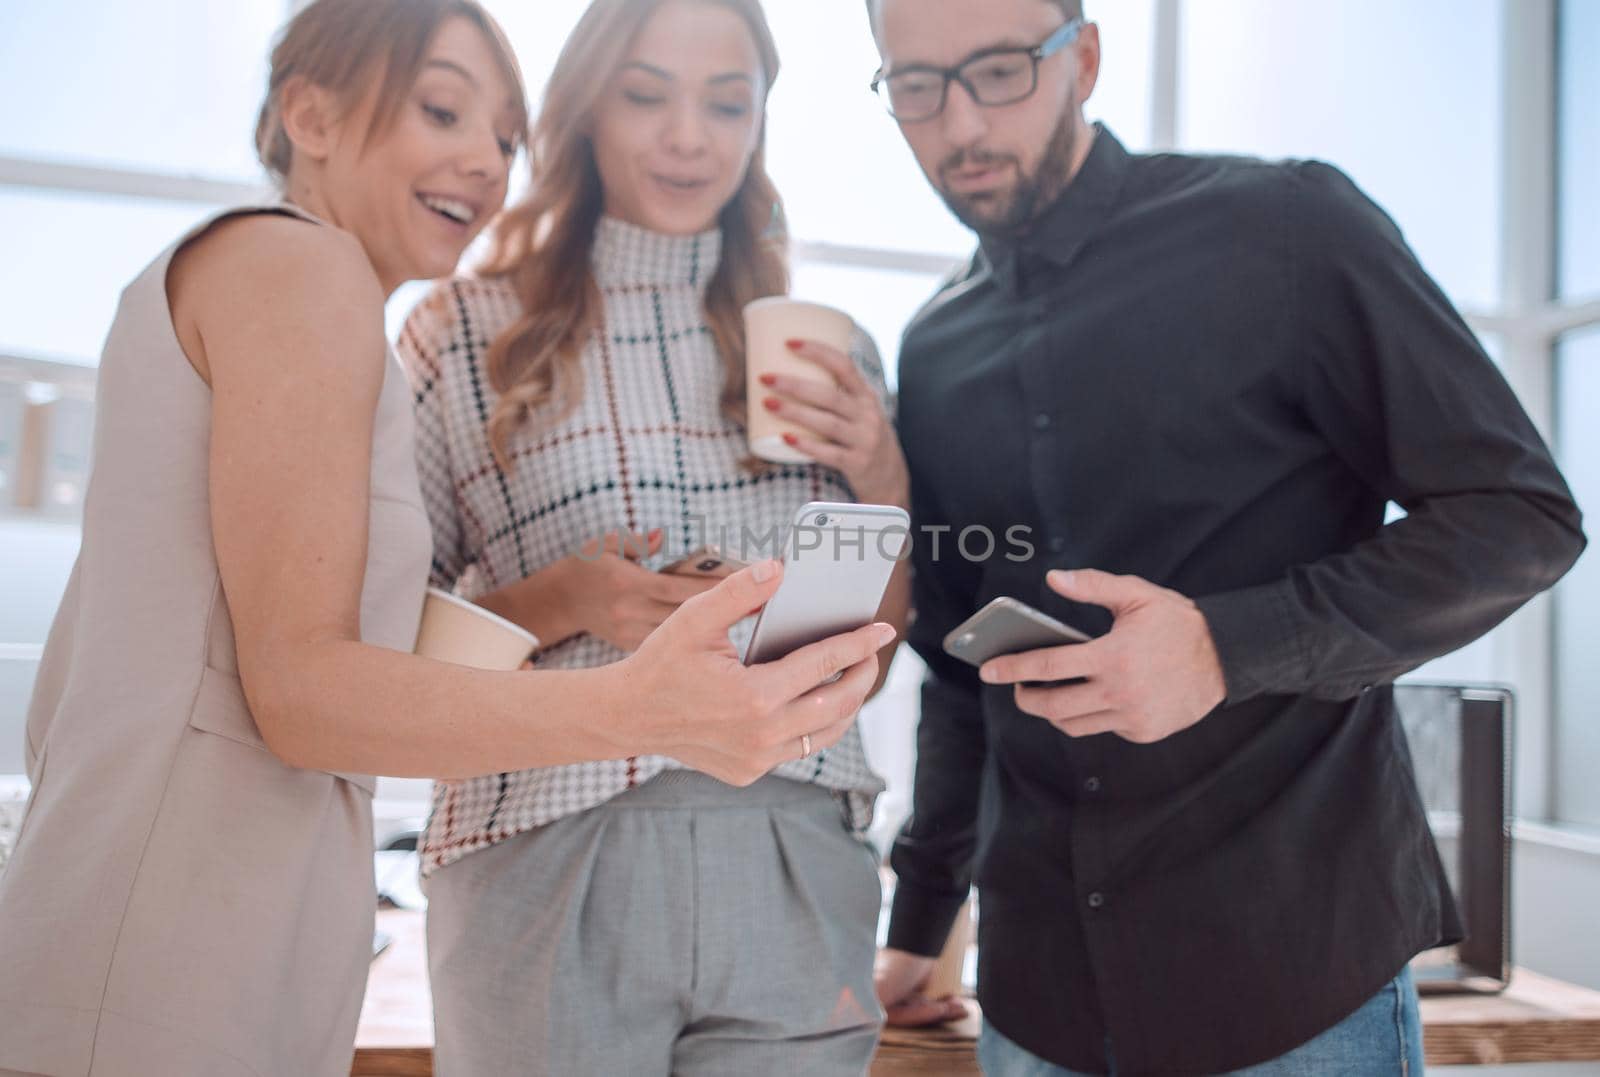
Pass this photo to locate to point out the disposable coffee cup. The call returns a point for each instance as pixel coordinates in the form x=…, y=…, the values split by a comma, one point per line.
x=946, y=976
x=455, y=630
x=769, y=324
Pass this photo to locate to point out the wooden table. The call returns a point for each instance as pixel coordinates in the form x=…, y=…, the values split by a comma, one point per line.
x=1537, y=1019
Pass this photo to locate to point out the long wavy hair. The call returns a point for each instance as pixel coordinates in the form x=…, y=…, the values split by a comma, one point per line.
x=542, y=244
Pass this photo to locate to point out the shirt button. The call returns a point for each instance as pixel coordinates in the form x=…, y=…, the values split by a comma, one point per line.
x=1041, y=421
x=1091, y=785
x=1096, y=900
x=1058, y=544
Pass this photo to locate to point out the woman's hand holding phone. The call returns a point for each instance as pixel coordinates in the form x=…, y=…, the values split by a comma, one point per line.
x=601, y=590
x=608, y=594
x=736, y=722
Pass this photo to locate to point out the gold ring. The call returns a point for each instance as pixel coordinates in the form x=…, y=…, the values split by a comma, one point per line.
x=805, y=745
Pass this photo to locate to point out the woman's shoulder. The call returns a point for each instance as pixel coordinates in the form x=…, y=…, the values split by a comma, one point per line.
x=266, y=259
x=264, y=268
x=268, y=245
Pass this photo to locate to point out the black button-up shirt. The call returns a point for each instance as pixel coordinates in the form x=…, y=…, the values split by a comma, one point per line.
x=1213, y=373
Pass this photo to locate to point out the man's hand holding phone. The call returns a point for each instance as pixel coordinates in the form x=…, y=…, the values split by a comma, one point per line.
x=1154, y=674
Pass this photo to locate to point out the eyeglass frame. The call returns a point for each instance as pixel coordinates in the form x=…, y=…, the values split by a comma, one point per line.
x=1061, y=37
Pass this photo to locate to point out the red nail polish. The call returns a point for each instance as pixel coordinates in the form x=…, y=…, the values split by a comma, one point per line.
x=770, y=404
x=791, y=439
x=769, y=379
x=795, y=345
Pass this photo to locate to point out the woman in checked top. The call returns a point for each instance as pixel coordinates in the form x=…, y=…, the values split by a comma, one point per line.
x=579, y=407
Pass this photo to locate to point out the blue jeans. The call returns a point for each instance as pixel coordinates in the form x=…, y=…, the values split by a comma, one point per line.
x=1382, y=1038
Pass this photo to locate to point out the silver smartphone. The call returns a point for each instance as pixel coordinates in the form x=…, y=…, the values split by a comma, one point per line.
x=836, y=566
x=1007, y=626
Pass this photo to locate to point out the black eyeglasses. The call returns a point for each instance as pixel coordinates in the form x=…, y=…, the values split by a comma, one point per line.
x=992, y=77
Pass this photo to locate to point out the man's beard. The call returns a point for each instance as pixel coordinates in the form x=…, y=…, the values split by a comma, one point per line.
x=1009, y=213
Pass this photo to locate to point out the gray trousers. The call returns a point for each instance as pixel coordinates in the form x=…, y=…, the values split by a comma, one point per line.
x=684, y=927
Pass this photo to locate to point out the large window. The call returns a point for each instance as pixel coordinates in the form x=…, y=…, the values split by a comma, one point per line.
x=1577, y=694
x=1404, y=97
x=1578, y=238
x=72, y=252
x=169, y=86
x=1577, y=392
x=124, y=123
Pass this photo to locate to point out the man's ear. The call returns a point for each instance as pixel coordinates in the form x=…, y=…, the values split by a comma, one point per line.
x=311, y=118
x=1087, y=51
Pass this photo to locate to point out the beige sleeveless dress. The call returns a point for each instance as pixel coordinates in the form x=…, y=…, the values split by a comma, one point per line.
x=180, y=901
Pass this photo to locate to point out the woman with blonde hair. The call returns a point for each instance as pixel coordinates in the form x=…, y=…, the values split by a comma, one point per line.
x=579, y=408
x=191, y=891
x=580, y=417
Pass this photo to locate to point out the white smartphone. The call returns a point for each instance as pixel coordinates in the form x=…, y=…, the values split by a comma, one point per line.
x=1007, y=626
x=836, y=566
